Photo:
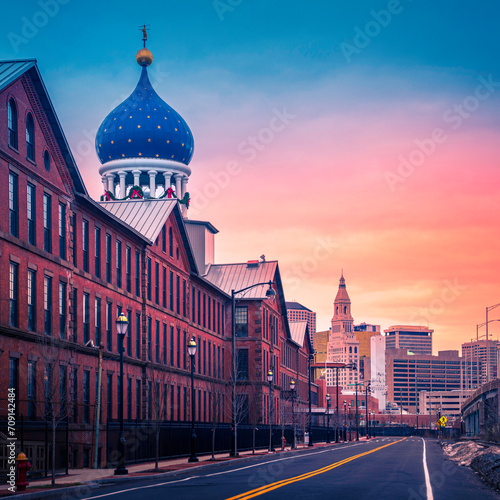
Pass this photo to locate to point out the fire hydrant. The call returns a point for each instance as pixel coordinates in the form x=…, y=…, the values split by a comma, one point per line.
x=23, y=466
x=283, y=442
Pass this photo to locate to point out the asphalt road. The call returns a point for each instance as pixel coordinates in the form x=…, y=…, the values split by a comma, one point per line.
x=383, y=468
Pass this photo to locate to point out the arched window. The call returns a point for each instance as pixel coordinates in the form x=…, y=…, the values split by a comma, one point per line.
x=170, y=242
x=46, y=160
x=337, y=310
x=345, y=309
x=30, y=138
x=12, y=124
x=350, y=349
x=355, y=349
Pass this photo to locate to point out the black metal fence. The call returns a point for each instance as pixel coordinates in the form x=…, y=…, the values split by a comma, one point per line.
x=35, y=439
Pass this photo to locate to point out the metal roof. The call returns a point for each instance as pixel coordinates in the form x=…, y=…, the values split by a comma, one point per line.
x=298, y=331
x=229, y=277
x=11, y=70
x=296, y=306
x=147, y=217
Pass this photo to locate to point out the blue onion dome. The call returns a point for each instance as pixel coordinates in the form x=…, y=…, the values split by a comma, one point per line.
x=144, y=126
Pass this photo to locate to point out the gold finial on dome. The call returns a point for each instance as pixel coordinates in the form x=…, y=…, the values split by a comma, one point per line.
x=144, y=57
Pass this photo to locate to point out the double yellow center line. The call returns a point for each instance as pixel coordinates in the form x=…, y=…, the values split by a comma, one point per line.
x=284, y=482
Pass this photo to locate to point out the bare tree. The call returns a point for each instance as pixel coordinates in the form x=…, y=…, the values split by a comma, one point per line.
x=237, y=407
x=56, y=407
x=255, y=408
x=161, y=380
x=216, y=398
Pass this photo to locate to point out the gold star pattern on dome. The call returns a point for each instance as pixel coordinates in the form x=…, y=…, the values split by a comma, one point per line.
x=120, y=127
x=140, y=154
x=138, y=126
x=130, y=140
x=149, y=140
x=175, y=129
x=112, y=142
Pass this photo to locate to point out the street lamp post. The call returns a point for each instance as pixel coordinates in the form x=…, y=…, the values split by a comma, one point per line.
x=191, y=347
x=337, y=414
x=328, y=401
x=292, y=390
x=345, y=420
x=270, y=294
x=270, y=380
x=367, y=388
x=121, y=328
x=309, y=359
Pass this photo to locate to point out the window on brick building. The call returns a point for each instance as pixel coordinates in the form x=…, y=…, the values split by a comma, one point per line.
x=14, y=294
x=31, y=300
x=108, y=258
x=164, y=289
x=204, y=311
x=138, y=399
x=128, y=269
x=185, y=403
x=13, y=204
x=172, y=360
x=164, y=239
x=109, y=395
x=63, y=391
x=138, y=335
x=14, y=377
x=129, y=399
x=30, y=137
x=46, y=161
x=178, y=347
x=47, y=222
x=47, y=304
x=118, y=263
x=63, y=308
x=178, y=294
x=150, y=402
x=47, y=388
x=109, y=322
x=86, y=396
x=119, y=382
x=86, y=317
x=149, y=320
x=98, y=323
x=184, y=299
x=209, y=315
x=31, y=213
x=184, y=351
x=97, y=252
x=129, y=334
x=62, y=231
x=85, y=245
x=31, y=389
x=137, y=273
x=12, y=123
x=193, y=304
x=157, y=346
x=241, y=321
x=148, y=277
x=170, y=242
x=75, y=395
x=242, y=364
x=157, y=282
x=164, y=344
x=73, y=227
x=172, y=402
x=171, y=291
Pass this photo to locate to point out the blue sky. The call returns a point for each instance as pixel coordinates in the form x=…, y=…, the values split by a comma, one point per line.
x=227, y=65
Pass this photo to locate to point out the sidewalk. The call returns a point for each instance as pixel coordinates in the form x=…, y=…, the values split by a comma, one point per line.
x=92, y=478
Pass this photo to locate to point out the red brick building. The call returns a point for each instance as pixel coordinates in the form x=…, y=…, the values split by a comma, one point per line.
x=70, y=265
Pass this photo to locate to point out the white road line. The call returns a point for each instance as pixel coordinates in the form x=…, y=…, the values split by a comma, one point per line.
x=428, y=486
x=224, y=472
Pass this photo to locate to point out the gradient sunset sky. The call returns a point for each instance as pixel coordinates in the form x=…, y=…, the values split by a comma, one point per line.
x=362, y=136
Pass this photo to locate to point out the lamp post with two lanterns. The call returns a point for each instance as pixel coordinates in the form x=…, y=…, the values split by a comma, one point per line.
x=271, y=391
x=191, y=347
x=121, y=328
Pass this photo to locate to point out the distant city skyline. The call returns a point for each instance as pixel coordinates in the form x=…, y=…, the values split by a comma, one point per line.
x=361, y=136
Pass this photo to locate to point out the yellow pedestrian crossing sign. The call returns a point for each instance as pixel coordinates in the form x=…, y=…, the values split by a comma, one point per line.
x=442, y=421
